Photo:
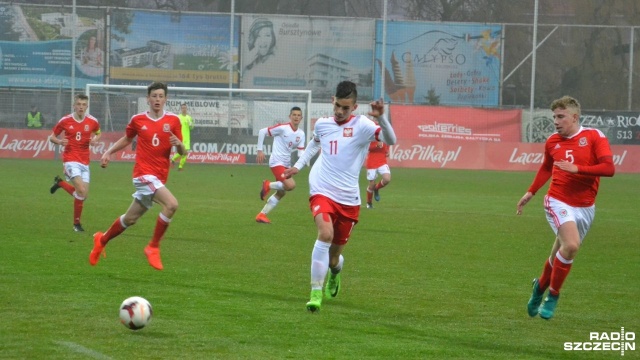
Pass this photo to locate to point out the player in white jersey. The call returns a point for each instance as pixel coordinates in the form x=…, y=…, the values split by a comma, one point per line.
x=286, y=139
x=335, y=196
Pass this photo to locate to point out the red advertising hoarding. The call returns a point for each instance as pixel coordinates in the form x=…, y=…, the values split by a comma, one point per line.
x=470, y=138
x=34, y=144
x=506, y=156
x=450, y=123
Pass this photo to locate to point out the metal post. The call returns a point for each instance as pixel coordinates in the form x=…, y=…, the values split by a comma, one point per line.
x=630, y=86
x=384, y=47
x=533, y=68
x=73, y=53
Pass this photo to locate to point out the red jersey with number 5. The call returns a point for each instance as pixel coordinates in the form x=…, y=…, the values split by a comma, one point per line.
x=79, y=135
x=153, y=148
x=586, y=148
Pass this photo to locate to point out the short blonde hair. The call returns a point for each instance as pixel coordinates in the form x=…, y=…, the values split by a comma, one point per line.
x=566, y=102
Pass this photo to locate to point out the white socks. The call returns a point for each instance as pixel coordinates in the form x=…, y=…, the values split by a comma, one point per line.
x=319, y=264
x=276, y=185
x=271, y=203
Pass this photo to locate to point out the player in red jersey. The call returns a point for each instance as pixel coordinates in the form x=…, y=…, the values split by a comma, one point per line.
x=80, y=131
x=574, y=158
x=377, y=164
x=157, y=131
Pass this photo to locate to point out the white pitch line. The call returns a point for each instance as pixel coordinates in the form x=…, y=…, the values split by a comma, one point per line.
x=83, y=350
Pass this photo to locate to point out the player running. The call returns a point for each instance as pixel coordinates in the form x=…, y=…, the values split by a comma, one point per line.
x=81, y=130
x=343, y=140
x=377, y=164
x=157, y=131
x=574, y=158
x=286, y=139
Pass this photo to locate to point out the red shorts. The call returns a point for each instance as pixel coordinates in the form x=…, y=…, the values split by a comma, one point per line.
x=343, y=217
x=278, y=171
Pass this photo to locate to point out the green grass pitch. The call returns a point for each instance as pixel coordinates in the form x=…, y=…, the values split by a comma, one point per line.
x=439, y=269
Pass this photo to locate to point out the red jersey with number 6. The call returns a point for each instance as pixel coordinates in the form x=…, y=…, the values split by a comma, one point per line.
x=153, y=148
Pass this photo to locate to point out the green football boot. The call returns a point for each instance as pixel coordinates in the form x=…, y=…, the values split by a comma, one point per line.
x=315, y=302
x=332, y=288
x=536, y=299
x=549, y=307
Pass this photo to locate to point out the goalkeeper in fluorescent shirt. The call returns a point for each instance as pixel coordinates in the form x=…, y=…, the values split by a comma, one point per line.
x=187, y=125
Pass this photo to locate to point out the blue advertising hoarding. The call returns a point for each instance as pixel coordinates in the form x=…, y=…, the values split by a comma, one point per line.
x=439, y=64
x=179, y=49
x=37, y=52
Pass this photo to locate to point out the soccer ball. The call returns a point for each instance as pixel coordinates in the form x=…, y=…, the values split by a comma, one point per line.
x=135, y=312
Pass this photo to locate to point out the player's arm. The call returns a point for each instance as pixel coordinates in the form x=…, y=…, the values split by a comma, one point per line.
x=309, y=153
x=605, y=166
x=262, y=133
x=387, y=134
x=96, y=137
x=542, y=176
x=54, y=139
x=175, y=141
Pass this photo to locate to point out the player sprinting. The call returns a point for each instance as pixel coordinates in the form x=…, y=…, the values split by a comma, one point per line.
x=286, y=139
x=80, y=131
x=574, y=158
x=157, y=131
x=187, y=125
x=377, y=164
x=343, y=140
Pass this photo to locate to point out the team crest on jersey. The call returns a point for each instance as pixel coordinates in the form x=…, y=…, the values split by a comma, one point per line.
x=166, y=128
x=582, y=141
x=297, y=139
x=86, y=127
x=563, y=213
x=347, y=132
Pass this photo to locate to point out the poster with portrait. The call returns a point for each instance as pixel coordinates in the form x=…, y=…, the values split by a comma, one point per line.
x=37, y=45
x=178, y=49
x=439, y=63
x=302, y=53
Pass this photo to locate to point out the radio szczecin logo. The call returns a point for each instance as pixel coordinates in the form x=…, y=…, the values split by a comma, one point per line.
x=605, y=341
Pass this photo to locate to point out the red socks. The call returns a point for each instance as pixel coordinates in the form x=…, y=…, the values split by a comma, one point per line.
x=77, y=210
x=161, y=228
x=561, y=268
x=380, y=185
x=114, y=230
x=67, y=187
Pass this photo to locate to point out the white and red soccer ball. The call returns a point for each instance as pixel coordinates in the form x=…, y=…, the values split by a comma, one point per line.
x=135, y=312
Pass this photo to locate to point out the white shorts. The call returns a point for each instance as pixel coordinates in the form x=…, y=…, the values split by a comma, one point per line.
x=372, y=173
x=74, y=169
x=146, y=187
x=559, y=213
